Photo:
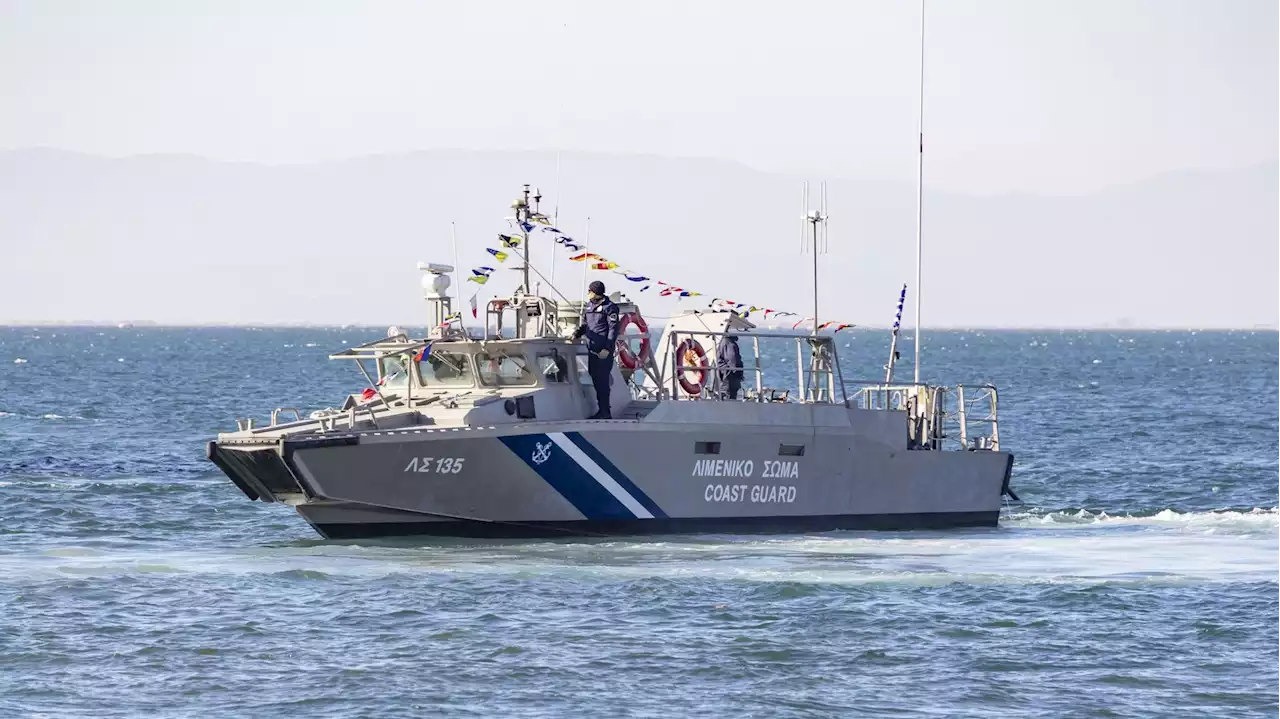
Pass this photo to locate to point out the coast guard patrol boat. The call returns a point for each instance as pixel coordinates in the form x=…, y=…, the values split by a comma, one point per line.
x=485, y=436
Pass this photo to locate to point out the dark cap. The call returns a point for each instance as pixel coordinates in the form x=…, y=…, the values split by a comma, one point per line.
x=597, y=287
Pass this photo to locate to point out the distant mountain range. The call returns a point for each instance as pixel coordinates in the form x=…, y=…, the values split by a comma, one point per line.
x=182, y=239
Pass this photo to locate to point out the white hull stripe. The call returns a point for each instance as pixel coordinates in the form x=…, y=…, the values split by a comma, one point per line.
x=599, y=475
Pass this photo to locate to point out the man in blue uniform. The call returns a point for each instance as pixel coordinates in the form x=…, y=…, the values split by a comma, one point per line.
x=729, y=365
x=600, y=326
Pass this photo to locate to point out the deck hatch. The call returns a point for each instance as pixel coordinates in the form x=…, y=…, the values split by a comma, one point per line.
x=706, y=448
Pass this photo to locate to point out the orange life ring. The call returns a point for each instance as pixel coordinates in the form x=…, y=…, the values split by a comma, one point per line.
x=690, y=353
x=629, y=359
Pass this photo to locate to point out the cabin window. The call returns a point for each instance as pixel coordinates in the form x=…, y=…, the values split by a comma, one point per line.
x=553, y=367
x=503, y=369
x=791, y=450
x=392, y=372
x=584, y=370
x=706, y=448
x=446, y=369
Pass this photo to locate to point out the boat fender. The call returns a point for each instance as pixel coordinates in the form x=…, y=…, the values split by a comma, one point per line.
x=690, y=353
x=629, y=359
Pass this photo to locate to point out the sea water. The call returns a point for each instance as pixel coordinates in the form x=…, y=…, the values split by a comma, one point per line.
x=1137, y=578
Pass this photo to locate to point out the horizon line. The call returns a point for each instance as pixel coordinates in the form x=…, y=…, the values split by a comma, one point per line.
x=1100, y=188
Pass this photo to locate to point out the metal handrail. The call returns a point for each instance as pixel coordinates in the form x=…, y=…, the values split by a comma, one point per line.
x=962, y=418
x=371, y=350
x=275, y=414
x=711, y=389
x=941, y=425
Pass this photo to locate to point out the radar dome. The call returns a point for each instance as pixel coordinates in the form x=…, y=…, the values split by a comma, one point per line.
x=438, y=284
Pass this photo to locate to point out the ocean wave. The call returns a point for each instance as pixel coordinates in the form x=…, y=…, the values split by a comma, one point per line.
x=1256, y=518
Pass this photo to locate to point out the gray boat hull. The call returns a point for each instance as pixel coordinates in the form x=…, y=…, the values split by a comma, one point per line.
x=680, y=472
x=351, y=521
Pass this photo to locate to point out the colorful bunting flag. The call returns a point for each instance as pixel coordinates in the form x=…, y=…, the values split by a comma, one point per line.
x=902, y=299
x=597, y=262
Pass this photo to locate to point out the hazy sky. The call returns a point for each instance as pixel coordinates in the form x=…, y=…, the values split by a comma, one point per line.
x=1021, y=95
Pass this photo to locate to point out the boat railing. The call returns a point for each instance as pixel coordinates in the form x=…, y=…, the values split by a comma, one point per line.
x=976, y=405
x=329, y=420
x=818, y=378
x=275, y=414
x=963, y=417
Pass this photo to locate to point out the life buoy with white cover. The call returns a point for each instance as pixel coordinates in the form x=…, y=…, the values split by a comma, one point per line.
x=689, y=354
x=629, y=359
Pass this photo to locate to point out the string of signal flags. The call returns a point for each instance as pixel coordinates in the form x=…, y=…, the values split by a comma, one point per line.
x=509, y=243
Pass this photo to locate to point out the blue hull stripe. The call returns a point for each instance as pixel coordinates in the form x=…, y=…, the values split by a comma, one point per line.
x=567, y=477
x=623, y=480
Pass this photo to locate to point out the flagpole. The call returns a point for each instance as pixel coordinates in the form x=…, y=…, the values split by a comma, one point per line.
x=919, y=195
x=522, y=218
x=585, y=265
x=555, y=216
x=453, y=232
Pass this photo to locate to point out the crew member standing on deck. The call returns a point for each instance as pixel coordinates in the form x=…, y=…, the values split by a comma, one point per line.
x=600, y=326
x=729, y=365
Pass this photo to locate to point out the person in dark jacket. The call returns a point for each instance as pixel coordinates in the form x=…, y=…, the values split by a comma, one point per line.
x=729, y=365
x=600, y=327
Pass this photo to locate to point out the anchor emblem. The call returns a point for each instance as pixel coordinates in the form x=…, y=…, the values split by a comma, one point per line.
x=542, y=452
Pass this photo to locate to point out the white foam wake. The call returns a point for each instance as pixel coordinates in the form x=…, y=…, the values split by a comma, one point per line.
x=1256, y=519
x=1031, y=547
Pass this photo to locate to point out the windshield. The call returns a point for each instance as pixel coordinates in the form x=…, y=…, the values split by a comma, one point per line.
x=553, y=367
x=446, y=369
x=500, y=369
x=393, y=372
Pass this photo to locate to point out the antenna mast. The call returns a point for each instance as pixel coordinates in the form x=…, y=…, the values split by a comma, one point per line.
x=817, y=240
x=523, y=215
x=919, y=196
x=814, y=236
